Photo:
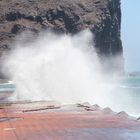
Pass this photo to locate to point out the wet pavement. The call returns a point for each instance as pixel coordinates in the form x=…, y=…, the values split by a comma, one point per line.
x=69, y=122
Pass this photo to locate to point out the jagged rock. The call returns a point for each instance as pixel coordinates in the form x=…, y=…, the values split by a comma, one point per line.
x=96, y=106
x=13, y=16
x=16, y=28
x=122, y=114
x=29, y=17
x=86, y=104
x=138, y=119
x=107, y=110
x=39, y=19
x=102, y=17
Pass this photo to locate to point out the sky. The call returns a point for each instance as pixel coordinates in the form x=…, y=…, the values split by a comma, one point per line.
x=130, y=34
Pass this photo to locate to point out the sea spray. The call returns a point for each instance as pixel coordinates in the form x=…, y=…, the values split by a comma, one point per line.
x=58, y=67
x=55, y=67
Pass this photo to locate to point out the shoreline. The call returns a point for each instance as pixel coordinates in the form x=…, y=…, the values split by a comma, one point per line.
x=51, y=120
x=85, y=105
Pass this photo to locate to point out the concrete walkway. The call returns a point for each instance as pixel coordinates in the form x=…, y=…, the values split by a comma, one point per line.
x=24, y=121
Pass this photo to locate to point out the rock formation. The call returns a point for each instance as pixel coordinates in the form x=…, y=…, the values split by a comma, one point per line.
x=102, y=17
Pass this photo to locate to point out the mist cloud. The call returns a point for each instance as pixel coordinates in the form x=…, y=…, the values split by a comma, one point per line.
x=63, y=68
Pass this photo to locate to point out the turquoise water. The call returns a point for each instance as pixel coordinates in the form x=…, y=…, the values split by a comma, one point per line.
x=127, y=95
x=132, y=87
x=124, y=96
x=6, y=90
x=7, y=87
x=131, y=82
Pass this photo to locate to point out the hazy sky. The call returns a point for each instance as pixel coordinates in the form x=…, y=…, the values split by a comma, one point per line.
x=131, y=34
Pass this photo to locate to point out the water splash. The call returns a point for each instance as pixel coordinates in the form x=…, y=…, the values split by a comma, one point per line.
x=64, y=68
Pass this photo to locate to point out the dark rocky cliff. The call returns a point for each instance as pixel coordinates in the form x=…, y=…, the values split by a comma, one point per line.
x=102, y=17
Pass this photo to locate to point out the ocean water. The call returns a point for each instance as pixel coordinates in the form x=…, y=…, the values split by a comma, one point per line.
x=6, y=90
x=123, y=96
x=7, y=87
x=131, y=87
x=126, y=95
